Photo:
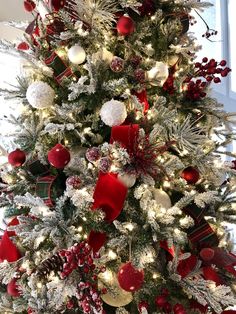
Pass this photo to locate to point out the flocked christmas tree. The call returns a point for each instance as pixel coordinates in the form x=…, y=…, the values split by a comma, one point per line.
x=116, y=195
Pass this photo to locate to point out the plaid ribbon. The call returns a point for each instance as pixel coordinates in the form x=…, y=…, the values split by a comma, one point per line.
x=195, y=212
x=44, y=189
x=202, y=235
x=61, y=70
x=36, y=167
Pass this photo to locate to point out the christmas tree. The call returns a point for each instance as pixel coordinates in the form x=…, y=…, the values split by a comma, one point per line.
x=116, y=194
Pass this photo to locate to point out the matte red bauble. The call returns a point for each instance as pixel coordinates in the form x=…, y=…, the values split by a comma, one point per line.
x=16, y=158
x=191, y=175
x=161, y=301
x=129, y=278
x=58, y=156
x=12, y=288
x=29, y=5
x=23, y=46
x=125, y=25
x=207, y=254
x=58, y=4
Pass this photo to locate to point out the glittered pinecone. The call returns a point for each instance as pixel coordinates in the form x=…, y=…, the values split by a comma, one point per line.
x=52, y=264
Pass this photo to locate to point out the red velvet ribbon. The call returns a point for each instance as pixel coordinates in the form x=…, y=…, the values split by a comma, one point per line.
x=8, y=250
x=96, y=240
x=187, y=265
x=209, y=273
x=126, y=135
x=142, y=97
x=109, y=195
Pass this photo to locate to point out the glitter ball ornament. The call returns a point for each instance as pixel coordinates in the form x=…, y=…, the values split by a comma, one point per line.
x=117, y=64
x=104, y=164
x=13, y=288
x=57, y=4
x=113, y=113
x=125, y=25
x=29, y=5
x=115, y=296
x=93, y=154
x=158, y=74
x=74, y=182
x=162, y=198
x=191, y=175
x=130, y=278
x=139, y=75
x=40, y=95
x=16, y=158
x=207, y=254
x=76, y=54
x=58, y=156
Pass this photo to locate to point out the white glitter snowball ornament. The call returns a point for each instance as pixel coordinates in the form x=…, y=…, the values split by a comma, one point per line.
x=40, y=95
x=113, y=112
x=76, y=54
x=162, y=198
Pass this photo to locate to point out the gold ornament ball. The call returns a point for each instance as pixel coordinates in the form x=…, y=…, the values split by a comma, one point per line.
x=115, y=295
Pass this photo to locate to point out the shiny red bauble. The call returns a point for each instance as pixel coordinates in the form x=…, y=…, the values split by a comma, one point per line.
x=125, y=25
x=13, y=288
x=207, y=254
x=16, y=158
x=191, y=175
x=23, y=46
x=29, y=5
x=57, y=4
x=129, y=278
x=59, y=156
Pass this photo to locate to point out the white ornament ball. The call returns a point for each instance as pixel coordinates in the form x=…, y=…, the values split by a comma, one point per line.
x=113, y=113
x=115, y=295
x=127, y=179
x=162, y=198
x=158, y=74
x=40, y=95
x=76, y=54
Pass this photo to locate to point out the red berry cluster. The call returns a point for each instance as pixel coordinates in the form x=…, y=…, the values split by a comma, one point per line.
x=162, y=303
x=89, y=298
x=206, y=72
x=79, y=257
x=209, y=32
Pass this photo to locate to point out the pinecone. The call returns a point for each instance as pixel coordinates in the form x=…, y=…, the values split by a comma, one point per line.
x=51, y=264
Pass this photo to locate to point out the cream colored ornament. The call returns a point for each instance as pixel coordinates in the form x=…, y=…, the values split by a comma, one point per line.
x=162, y=198
x=127, y=179
x=173, y=60
x=158, y=74
x=104, y=55
x=76, y=54
x=115, y=296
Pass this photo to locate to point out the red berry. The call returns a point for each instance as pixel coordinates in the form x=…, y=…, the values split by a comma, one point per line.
x=17, y=158
x=29, y=5
x=58, y=156
x=209, y=78
x=125, y=25
x=217, y=80
x=161, y=301
x=198, y=65
x=191, y=175
x=205, y=59
x=223, y=63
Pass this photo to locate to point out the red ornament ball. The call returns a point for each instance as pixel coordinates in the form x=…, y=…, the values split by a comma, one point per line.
x=16, y=158
x=161, y=301
x=207, y=254
x=125, y=25
x=191, y=175
x=23, y=46
x=57, y=4
x=13, y=288
x=29, y=5
x=129, y=278
x=58, y=156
